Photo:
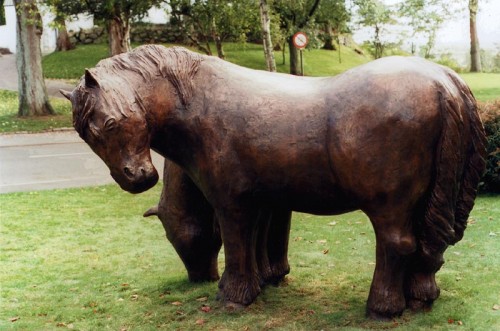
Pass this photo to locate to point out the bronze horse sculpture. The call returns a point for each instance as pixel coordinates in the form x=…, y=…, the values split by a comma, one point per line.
x=191, y=226
x=398, y=138
x=189, y=223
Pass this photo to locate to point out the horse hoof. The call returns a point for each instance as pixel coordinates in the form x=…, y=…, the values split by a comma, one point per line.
x=234, y=306
x=420, y=305
x=382, y=316
x=200, y=277
x=275, y=281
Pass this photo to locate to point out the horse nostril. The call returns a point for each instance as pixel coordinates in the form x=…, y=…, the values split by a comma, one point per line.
x=143, y=171
x=128, y=172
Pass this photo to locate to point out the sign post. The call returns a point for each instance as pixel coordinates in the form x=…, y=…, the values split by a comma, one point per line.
x=300, y=41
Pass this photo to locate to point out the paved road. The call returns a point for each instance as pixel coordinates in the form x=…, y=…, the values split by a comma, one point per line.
x=32, y=162
x=8, y=78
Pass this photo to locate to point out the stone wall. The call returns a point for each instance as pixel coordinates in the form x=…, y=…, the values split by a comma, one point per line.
x=94, y=35
x=151, y=34
x=141, y=33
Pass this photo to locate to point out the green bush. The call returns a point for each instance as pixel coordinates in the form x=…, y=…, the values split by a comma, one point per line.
x=490, y=115
x=448, y=61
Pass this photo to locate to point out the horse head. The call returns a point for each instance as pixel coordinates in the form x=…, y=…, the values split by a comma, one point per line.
x=110, y=117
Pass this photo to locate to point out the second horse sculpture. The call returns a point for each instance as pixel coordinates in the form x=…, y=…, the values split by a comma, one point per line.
x=398, y=138
x=191, y=226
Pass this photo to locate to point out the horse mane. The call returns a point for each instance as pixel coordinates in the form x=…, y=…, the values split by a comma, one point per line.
x=176, y=64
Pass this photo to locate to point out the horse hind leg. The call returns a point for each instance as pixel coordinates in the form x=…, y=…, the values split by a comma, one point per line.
x=421, y=289
x=261, y=253
x=277, y=245
x=272, y=245
x=395, y=243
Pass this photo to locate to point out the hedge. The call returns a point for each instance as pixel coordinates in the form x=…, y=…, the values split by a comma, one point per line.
x=490, y=115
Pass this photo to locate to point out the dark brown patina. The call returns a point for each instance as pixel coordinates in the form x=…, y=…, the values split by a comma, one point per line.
x=398, y=138
x=192, y=228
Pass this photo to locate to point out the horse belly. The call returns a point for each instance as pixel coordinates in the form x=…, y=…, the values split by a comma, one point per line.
x=313, y=192
x=319, y=203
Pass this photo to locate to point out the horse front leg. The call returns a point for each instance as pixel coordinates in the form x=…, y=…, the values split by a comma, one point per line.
x=395, y=242
x=239, y=284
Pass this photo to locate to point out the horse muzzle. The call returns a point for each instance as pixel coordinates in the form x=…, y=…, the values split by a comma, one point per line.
x=136, y=179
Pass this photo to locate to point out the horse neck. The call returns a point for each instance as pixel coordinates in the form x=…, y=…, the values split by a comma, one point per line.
x=170, y=131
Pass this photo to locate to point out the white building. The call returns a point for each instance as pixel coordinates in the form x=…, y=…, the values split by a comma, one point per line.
x=8, y=31
x=49, y=36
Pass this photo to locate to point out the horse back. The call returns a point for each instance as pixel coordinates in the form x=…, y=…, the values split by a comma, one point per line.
x=365, y=137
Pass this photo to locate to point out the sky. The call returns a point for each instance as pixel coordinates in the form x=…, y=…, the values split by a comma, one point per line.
x=456, y=32
x=454, y=35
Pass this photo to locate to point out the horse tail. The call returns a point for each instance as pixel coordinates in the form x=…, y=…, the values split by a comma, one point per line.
x=459, y=165
x=475, y=161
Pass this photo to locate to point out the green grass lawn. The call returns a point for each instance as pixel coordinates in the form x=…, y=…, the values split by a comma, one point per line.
x=485, y=86
x=71, y=64
x=9, y=122
x=76, y=259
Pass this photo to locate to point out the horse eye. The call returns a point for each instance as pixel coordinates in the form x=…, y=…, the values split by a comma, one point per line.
x=92, y=133
x=110, y=124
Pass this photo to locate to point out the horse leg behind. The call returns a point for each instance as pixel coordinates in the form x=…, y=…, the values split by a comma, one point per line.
x=395, y=243
x=277, y=245
x=272, y=245
x=190, y=224
x=420, y=285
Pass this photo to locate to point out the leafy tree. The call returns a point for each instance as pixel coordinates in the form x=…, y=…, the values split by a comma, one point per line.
x=475, y=56
x=375, y=14
x=62, y=10
x=117, y=15
x=295, y=15
x=333, y=16
x=33, y=98
x=425, y=17
x=202, y=21
x=266, y=36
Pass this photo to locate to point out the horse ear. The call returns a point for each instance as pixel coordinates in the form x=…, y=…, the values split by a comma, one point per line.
x=66, y=94
x=90, y=80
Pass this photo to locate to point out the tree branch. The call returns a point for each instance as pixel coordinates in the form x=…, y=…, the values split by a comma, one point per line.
x=311, y=13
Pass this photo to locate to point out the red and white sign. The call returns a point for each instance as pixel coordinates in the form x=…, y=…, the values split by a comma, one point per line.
x=300, y=40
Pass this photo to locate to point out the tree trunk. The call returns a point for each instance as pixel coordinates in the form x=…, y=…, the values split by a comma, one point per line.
x=33, y=98
x=217, y=40
x=63, y=43
x=119, y=33
x=294, y=58
x=220, y=49
x=338, y=42
x=475, y=57
x=266, y=36
x=329, y=38
x=379, y=48
x=283, y=52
